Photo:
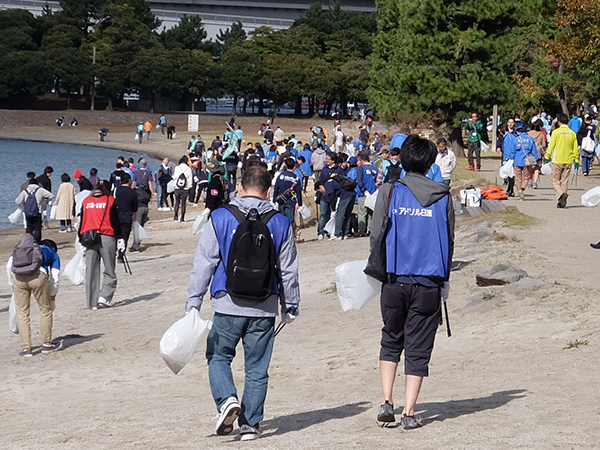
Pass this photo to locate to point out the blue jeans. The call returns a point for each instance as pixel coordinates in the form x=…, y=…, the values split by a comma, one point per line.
x=288, y=211
x=324, y=217
x=257, y=335
x=342, y=217
x=160, y=195
x=586, y=163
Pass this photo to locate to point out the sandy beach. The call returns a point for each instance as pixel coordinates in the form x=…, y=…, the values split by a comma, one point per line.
x=504, y=380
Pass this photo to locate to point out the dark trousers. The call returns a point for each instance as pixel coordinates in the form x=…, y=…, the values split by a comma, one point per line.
x=162, y=127
x=474, y=147
x=125, y=232
x=411, y=314
x=181, y=196
x=34, y=227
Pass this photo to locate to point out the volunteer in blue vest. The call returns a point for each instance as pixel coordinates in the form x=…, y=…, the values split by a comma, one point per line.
x=417, y=269
x=42, y=283
x=523, y=149
x=288, y=180
x=365, y=181
x=236, y=318
x=323, y=200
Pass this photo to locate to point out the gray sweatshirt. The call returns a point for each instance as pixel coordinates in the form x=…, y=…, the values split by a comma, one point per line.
x=42, y=196
x=208, y=257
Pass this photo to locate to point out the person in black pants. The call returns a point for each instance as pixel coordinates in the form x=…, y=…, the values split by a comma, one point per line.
x=42, y=197
x=127, y=206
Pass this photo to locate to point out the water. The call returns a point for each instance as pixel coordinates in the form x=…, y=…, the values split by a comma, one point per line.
x=21, y=157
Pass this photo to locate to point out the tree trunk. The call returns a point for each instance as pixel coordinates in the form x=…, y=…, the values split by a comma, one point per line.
x=261, y=111
x=245, y=105
x=68, y=99
x=152, y=101
x=110, y=104
x=298, y=109
x=562, y=95
x=456, y=142
x=235, y=99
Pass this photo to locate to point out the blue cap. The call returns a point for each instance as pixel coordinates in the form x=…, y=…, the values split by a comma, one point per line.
x=352, y=160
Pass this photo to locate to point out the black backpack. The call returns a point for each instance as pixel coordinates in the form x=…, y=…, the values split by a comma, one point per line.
x=347, y=184
x=252, y=261
x=215, y=192
x=393, y=173
x=30, y=208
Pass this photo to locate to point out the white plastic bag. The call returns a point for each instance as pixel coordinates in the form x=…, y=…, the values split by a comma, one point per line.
x=484, y=147
x=53, y=213
x=171, y=186
x=75, y=269
x=546, y=169
x=200, y=221
x=354, y=288
x=330, y=226
x=14, y=217
x=371, y=199
x=507, y=170
x=304, y=212
x=591, y=198
x=179, y=342
x=12, y=316
x=139, y=234
x=137, y=136
x=174, y=135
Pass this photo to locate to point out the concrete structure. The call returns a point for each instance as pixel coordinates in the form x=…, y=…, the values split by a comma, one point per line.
x=220, y=14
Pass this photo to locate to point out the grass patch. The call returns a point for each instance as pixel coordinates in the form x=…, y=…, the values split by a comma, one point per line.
x=461, y=177
x=501, y=237
x=510, y=215
x=490, y=295
x=331, y=289
x=575, y=344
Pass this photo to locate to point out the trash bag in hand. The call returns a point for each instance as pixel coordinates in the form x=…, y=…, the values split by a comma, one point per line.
x=355, y=288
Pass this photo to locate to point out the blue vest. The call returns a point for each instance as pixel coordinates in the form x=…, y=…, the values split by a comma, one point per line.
x=225, y=225
x=417, y=242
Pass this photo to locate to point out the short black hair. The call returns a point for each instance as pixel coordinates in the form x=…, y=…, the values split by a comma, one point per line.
x=418, y=154
x=50, y=243
x=363, y=157
x=333, y=156
x=93, y=172
x=48, y=170
x=30, y=175
x=256, y=177
x=119, y=166
x=65, y=178
x=125, y=178
x=183, y=160
x=562, y=118
x=395, y=151
x=33, y=181
x=302, y=158
x=442, y=141
x=289, y=163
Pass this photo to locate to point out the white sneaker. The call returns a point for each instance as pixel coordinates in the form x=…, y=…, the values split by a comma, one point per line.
x=320, y=237
x=230, y=411
x=249, y=433
x=161, y=209
x=102, y=301
x=333, y=238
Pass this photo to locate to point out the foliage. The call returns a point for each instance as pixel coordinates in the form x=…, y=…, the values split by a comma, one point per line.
x=188, y=34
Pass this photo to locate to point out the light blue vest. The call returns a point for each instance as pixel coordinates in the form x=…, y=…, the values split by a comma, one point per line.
x=417, y=242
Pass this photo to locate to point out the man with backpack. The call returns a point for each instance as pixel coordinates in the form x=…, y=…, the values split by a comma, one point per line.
x=390, y=169
x=183, y=184
x=287, y=192
x=33, y=201
x=36, y=269
x=248, y=251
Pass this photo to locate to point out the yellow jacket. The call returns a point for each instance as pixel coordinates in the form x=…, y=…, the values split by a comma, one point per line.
x=563, y=148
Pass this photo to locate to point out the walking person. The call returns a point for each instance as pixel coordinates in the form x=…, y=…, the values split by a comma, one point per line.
x=148, y=129
x=322, y=198
x=287, y=192
x=163, y=177
x=446, y=160
x=238, y=314
x=539, y=136
x=524, y=156
x=140, y=132
x=365, y=185
x=417, y=268
x=141, y=216
x=163, y=124
x=475, y=128
x=183, y=184
x=99, y=212
x=64, y=201
x=127, y=205
x=563, y=152
x=586, y=139
x=509, y=145
x=33, y=201
x=35, y=271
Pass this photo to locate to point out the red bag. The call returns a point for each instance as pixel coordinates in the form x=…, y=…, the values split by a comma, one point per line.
x=494, y=193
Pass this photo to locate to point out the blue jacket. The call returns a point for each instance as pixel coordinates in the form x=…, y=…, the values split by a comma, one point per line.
x=365, y=179
x=524, y=145
x=509, y=144
x=210, y=262
x=333, y=191
x=325, y=173
x=306, y=166
x=575, y=124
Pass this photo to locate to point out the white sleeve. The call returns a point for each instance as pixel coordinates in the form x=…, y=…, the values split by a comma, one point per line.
x=54, y=280
x=9, y=274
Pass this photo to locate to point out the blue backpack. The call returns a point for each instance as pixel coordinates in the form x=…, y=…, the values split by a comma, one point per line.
x=31, y=206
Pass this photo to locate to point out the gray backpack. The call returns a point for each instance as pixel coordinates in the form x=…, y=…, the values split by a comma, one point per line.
x=27, y=256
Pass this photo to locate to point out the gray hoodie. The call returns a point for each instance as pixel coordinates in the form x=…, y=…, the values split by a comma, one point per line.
x=208, y=257
x=42, y=196
x=317, y=160
x=427, y=192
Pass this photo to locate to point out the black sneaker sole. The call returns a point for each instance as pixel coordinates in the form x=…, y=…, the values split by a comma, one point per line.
x=226, y=427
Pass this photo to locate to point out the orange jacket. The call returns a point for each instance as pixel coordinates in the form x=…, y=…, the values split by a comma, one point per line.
x=148, y=126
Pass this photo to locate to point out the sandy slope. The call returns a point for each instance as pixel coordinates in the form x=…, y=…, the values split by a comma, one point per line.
x=502, y=381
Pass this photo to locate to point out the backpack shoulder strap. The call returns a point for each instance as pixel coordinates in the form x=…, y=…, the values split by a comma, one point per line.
x=240, y=217
x=268, y=216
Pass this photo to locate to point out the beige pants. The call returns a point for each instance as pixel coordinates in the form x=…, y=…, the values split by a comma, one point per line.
x=560, y=178
x=522, y=177
x=38, y=285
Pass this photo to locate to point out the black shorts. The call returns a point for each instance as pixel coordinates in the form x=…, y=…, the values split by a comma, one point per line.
x=411, y=314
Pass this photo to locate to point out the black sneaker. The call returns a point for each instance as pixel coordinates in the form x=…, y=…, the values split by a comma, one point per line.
x=54, y=346
x=596, y=246
x=175, y=218
x=562, y=200
x=409, y=422
x=26, y=353
x=386, y=413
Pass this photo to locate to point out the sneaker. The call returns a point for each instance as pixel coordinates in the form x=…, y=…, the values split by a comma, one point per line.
x=522, y=195
x=409, y=422
x=320, y=237
x=94, y=308
x=69, y=230
x=562, y=200
x=230, y=411
x=175, y=218
x=103, y=302
x=159, y=209
x=249, y=433
x=182, y=220
x=478, y=168
x=470, y=168
x=26, y=353
x=62, y=231
x=596, y=246
x=386, y=413
x=54, y=346
x=334, y=238
x=530, y=186
x=535, y=185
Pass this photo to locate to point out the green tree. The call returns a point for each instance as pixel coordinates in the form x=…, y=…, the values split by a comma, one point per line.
x=188, y=34
x=232, y=36
x=18, y=31
x=446, y=57
x=153, y=71
x=24, y=72
x=70, y=69
x=239, y=72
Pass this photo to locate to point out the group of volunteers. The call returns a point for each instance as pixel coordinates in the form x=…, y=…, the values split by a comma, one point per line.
x=145, y=128
x=103, y=213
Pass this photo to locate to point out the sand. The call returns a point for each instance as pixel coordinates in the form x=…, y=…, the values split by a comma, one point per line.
x=502, y=381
